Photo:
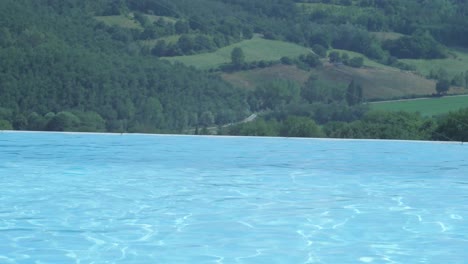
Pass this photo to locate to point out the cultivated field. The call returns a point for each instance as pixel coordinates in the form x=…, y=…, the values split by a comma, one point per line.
x=425, y=106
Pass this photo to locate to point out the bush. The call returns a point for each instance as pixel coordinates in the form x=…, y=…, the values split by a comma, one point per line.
x=453, y=126
x=63, y=121
x=295, y=126
x=421, y=46
x=313, y=60
x=442, y=86
x=319, y=50
x=356, y=62
x=5, y=125
x=287, y=60
x=334, y=57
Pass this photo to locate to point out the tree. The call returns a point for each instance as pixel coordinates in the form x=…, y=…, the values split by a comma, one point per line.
x=334, y=57
x=295, y=126
x=315, y=90
x=181, y=27
x=36, y=122
x=312, y=60
x=345, y=58
x=90, y=122
x=356, y=62
x=247, y=33
x=160, y=48
x=453, y=126
x=275, y=94
x=237, y=57
x=319, y=50
x=202, y=42
x=63, y=121
x=151, y=113
x=286, y=60
x=420, y=45
x=185, y=43
x=353, y=94
x=466, y=80
x=442, y=86
x=206, y=118
x=5, y=125
x=5, y=37
x=458, y=80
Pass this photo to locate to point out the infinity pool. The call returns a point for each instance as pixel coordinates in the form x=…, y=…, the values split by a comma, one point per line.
x=84, y=198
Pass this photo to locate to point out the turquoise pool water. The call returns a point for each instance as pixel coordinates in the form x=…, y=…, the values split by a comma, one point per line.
x=76, y=198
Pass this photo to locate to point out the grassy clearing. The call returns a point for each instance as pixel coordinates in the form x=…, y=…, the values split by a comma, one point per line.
x=382, y=36
x=255, y=49
x=120, y=21
x=456, y=63
x=427, y=107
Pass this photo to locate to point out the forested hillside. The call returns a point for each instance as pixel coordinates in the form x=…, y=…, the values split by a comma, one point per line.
x=63, y=70
x=171, y=66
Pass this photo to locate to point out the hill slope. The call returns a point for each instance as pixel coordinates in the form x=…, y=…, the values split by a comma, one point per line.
x=63, y=70
x=103, y=65
x=255, y=49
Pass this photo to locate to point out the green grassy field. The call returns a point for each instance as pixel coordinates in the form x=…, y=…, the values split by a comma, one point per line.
x=455, y=64
x=120, y=21
x=255, y=49
x=382, y=36
x=427, y=107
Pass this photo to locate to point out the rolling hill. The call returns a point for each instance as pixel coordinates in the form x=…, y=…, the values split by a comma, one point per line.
x=154, y=65
x=378, y=83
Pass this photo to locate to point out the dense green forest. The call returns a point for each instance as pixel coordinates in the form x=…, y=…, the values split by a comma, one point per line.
x=101, y=65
